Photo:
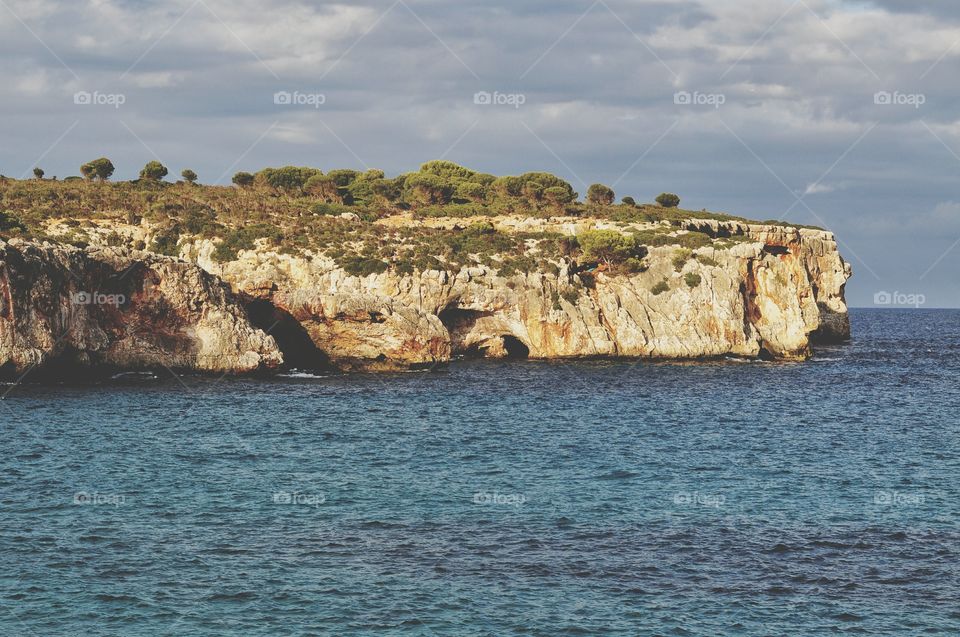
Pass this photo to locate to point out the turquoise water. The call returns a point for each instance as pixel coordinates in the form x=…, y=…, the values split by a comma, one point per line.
x=522, y=498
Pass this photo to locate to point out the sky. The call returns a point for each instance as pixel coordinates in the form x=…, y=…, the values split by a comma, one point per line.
x=833, y=113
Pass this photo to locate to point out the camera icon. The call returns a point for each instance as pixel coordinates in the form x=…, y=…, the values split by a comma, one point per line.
x=683, y=98
x=82, y=97
x=882, y=298
x=283, y=98
x=883, y=98
x=282, y=498
x=81, y=497
x=81, y=298
x=483, y=97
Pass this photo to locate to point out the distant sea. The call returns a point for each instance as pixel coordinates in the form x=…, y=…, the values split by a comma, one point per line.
x=497, y=498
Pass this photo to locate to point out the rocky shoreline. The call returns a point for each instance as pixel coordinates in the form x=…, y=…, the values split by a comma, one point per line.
x=774, y=294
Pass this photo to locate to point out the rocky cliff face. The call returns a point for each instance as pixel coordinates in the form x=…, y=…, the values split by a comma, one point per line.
x=62, y=307
x=771, y=295
x=774, y=292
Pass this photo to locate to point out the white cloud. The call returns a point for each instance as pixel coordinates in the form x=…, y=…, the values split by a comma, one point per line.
x=819, y=189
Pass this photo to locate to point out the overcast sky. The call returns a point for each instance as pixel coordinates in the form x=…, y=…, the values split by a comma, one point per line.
x=763, y=108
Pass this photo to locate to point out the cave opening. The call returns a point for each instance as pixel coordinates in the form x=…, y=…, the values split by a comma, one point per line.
x=514, y=347
x=292, y=338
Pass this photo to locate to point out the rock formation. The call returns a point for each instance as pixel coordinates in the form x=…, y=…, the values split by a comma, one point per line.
x=62, y=307
x=771, y=295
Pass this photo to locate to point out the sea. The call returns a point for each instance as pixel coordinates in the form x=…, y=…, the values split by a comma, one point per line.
x=630, y=498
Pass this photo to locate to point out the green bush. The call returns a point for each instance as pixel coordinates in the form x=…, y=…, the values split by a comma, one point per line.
x=705, y=260
x=680, y=258
x=361, y=266
x=343, y=177
x=244, y=239
x=447, y=170
x=470, y=191
x=558, y=196
x=660, y=288
x=153, y=171
x=167, y=242
x=188, y=175
x=608, y=246
x=324, y=187
x=668, y=200
x=101, y=169
x=38, y=173
x=243, y=179
x=287, y=178
x=628, y=201
x=692, y=279
x=330, y=209
x=428, y=189
x=10, y=221
x=600, y=195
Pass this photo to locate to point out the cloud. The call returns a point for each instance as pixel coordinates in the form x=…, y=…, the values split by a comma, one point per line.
x=819, y=189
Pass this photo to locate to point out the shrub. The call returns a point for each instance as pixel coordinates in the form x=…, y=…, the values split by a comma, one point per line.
x=244, y=239
x=628, y=201
x=558, y=196
x=426, y=189
x=343, y=177
x=189, y=176
x=705, y=260
x=38, y=173
x=388, y=190
x=680, y=258
x=167, y=242
x=324, y=187
x=447, y=169
x=243, y=179
x=668, y=200
x=361, y=266
x=692, y=279
x=330, y=209
x=608, y=246
x=660, y=288
x=153, y=171
x=634, y=265
x=101, y=169
x=9, y=221
x=600, y=195
x=287, y=178
x=506, y=187
x=470, y=191
x=532, y=192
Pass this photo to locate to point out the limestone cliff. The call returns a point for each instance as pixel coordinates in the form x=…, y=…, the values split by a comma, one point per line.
x=772, y=294
x=62, y=307
x=753, y=291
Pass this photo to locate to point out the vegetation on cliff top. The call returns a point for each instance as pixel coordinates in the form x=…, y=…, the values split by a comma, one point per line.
x=336, y=213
